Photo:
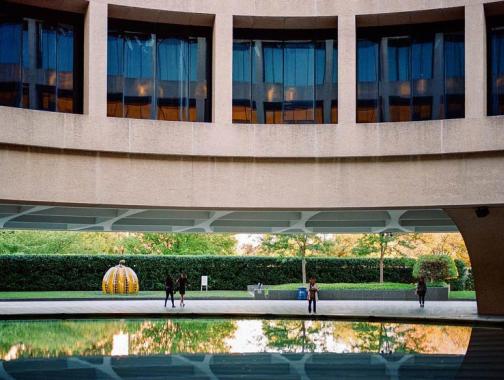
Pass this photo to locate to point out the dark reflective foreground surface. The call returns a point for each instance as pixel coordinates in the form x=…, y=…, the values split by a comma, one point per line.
x=246, y=349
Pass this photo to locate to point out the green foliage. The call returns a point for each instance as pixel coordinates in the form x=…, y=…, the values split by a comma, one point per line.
x=180, y=244
x=299, y=245
x=459, y=283
x=350, y=286
x=390, y=243
x=469, y=283
x=437, y=267
x=85, y=272
x=66, y=242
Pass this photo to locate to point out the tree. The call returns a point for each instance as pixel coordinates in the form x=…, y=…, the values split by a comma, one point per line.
x=180, y=244
x=384, y=244
x=437, y=267
x=299, y=245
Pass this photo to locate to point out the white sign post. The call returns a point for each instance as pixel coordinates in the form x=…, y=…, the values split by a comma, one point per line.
x=204, y=282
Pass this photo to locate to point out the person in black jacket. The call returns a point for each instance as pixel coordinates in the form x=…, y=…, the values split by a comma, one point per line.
x=421, y=289
x=182, y=283
x=169, y=290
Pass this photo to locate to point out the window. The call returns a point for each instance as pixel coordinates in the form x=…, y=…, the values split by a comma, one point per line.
x=292, y=80
x=496, y=67
x=40, y=59
x=404, y=75
x=158, y=72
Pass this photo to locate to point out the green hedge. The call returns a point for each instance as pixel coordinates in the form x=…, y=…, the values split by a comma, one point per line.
x=85, y=272
x=459, y=283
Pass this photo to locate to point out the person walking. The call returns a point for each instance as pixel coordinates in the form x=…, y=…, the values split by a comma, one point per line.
x=182, y=283
x=312, y=295
x=421, y=289
x=169, y=290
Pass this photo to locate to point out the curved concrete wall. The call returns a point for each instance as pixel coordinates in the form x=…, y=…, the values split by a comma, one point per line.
x=413, y=164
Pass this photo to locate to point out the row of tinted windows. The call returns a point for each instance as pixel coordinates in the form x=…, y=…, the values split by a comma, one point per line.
x=403, y=77
x=279, y=82
x=163, y=72
x=39, y=61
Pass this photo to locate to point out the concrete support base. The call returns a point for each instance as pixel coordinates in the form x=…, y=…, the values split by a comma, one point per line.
x=484, y=239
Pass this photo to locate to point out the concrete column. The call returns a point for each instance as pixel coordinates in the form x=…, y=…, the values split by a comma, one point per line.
x=484, y=239
x=95, y=59
x=475, y=62
x=222, y=69
x=347, y=69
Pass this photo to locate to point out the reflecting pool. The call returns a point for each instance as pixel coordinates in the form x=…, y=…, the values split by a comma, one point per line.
x=246, y=349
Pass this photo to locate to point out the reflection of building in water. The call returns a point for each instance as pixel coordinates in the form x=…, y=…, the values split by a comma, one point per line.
x=120, y=344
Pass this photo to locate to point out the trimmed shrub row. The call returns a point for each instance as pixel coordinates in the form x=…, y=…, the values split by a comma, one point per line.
x=85, y=272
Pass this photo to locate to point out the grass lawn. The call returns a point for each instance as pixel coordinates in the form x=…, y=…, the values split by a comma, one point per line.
x=348, y=286
x=463, y=294
x=97, y=294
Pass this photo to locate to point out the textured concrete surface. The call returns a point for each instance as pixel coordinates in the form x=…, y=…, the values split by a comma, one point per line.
x=461, y=311
x=484, y=239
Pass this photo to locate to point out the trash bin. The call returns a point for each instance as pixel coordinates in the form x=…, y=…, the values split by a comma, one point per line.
x=301, y=294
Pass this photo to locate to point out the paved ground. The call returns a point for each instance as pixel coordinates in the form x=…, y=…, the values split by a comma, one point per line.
x=454, y=311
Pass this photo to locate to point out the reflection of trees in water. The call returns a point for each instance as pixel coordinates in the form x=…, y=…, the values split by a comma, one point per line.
x=395, y=337
x=183, y=336
x=71, y=338
x=297, y=336
x=61, y=338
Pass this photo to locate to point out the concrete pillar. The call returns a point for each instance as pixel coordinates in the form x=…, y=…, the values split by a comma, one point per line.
x=484, y=239
x=222, y=69
x=347, y=69
x=475, y=62
x=95, y=59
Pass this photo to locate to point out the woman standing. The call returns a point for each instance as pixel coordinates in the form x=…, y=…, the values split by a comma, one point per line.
x=312, y=295
x=169, y=290
x=182, y=283
x=421, y=289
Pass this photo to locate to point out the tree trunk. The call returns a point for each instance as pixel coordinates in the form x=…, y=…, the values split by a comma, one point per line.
x=382, y=254
x=303, y=269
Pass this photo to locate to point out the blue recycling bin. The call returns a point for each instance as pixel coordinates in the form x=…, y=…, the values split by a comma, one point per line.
x=301, y=294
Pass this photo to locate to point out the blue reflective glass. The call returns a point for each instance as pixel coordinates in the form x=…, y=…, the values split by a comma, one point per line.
x=47, y=47
x=10, y=43
x=10, y=63
x=320, y=63
x=115, y=54
x=26, y=48
x=367, y=61
x=454, y=56
x=497, y=52
x=422, y=59
x=65, y=49
x=138, y=56
x=496, y=96
x=398, y=54
x=172, y=59
x=273, y=62
x=241, y=62
x=299, y=64
x=193, y=59
x=335, y=64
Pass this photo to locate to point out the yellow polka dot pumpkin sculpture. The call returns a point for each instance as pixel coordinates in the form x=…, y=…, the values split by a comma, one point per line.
x=120, y=280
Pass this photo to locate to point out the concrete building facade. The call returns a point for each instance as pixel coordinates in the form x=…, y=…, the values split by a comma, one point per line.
x=88, y=171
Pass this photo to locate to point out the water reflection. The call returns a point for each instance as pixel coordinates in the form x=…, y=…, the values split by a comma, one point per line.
x=246, y=349
x=30, y=339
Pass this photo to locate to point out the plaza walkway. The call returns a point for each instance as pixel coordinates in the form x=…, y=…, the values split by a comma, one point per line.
x=455, y=311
